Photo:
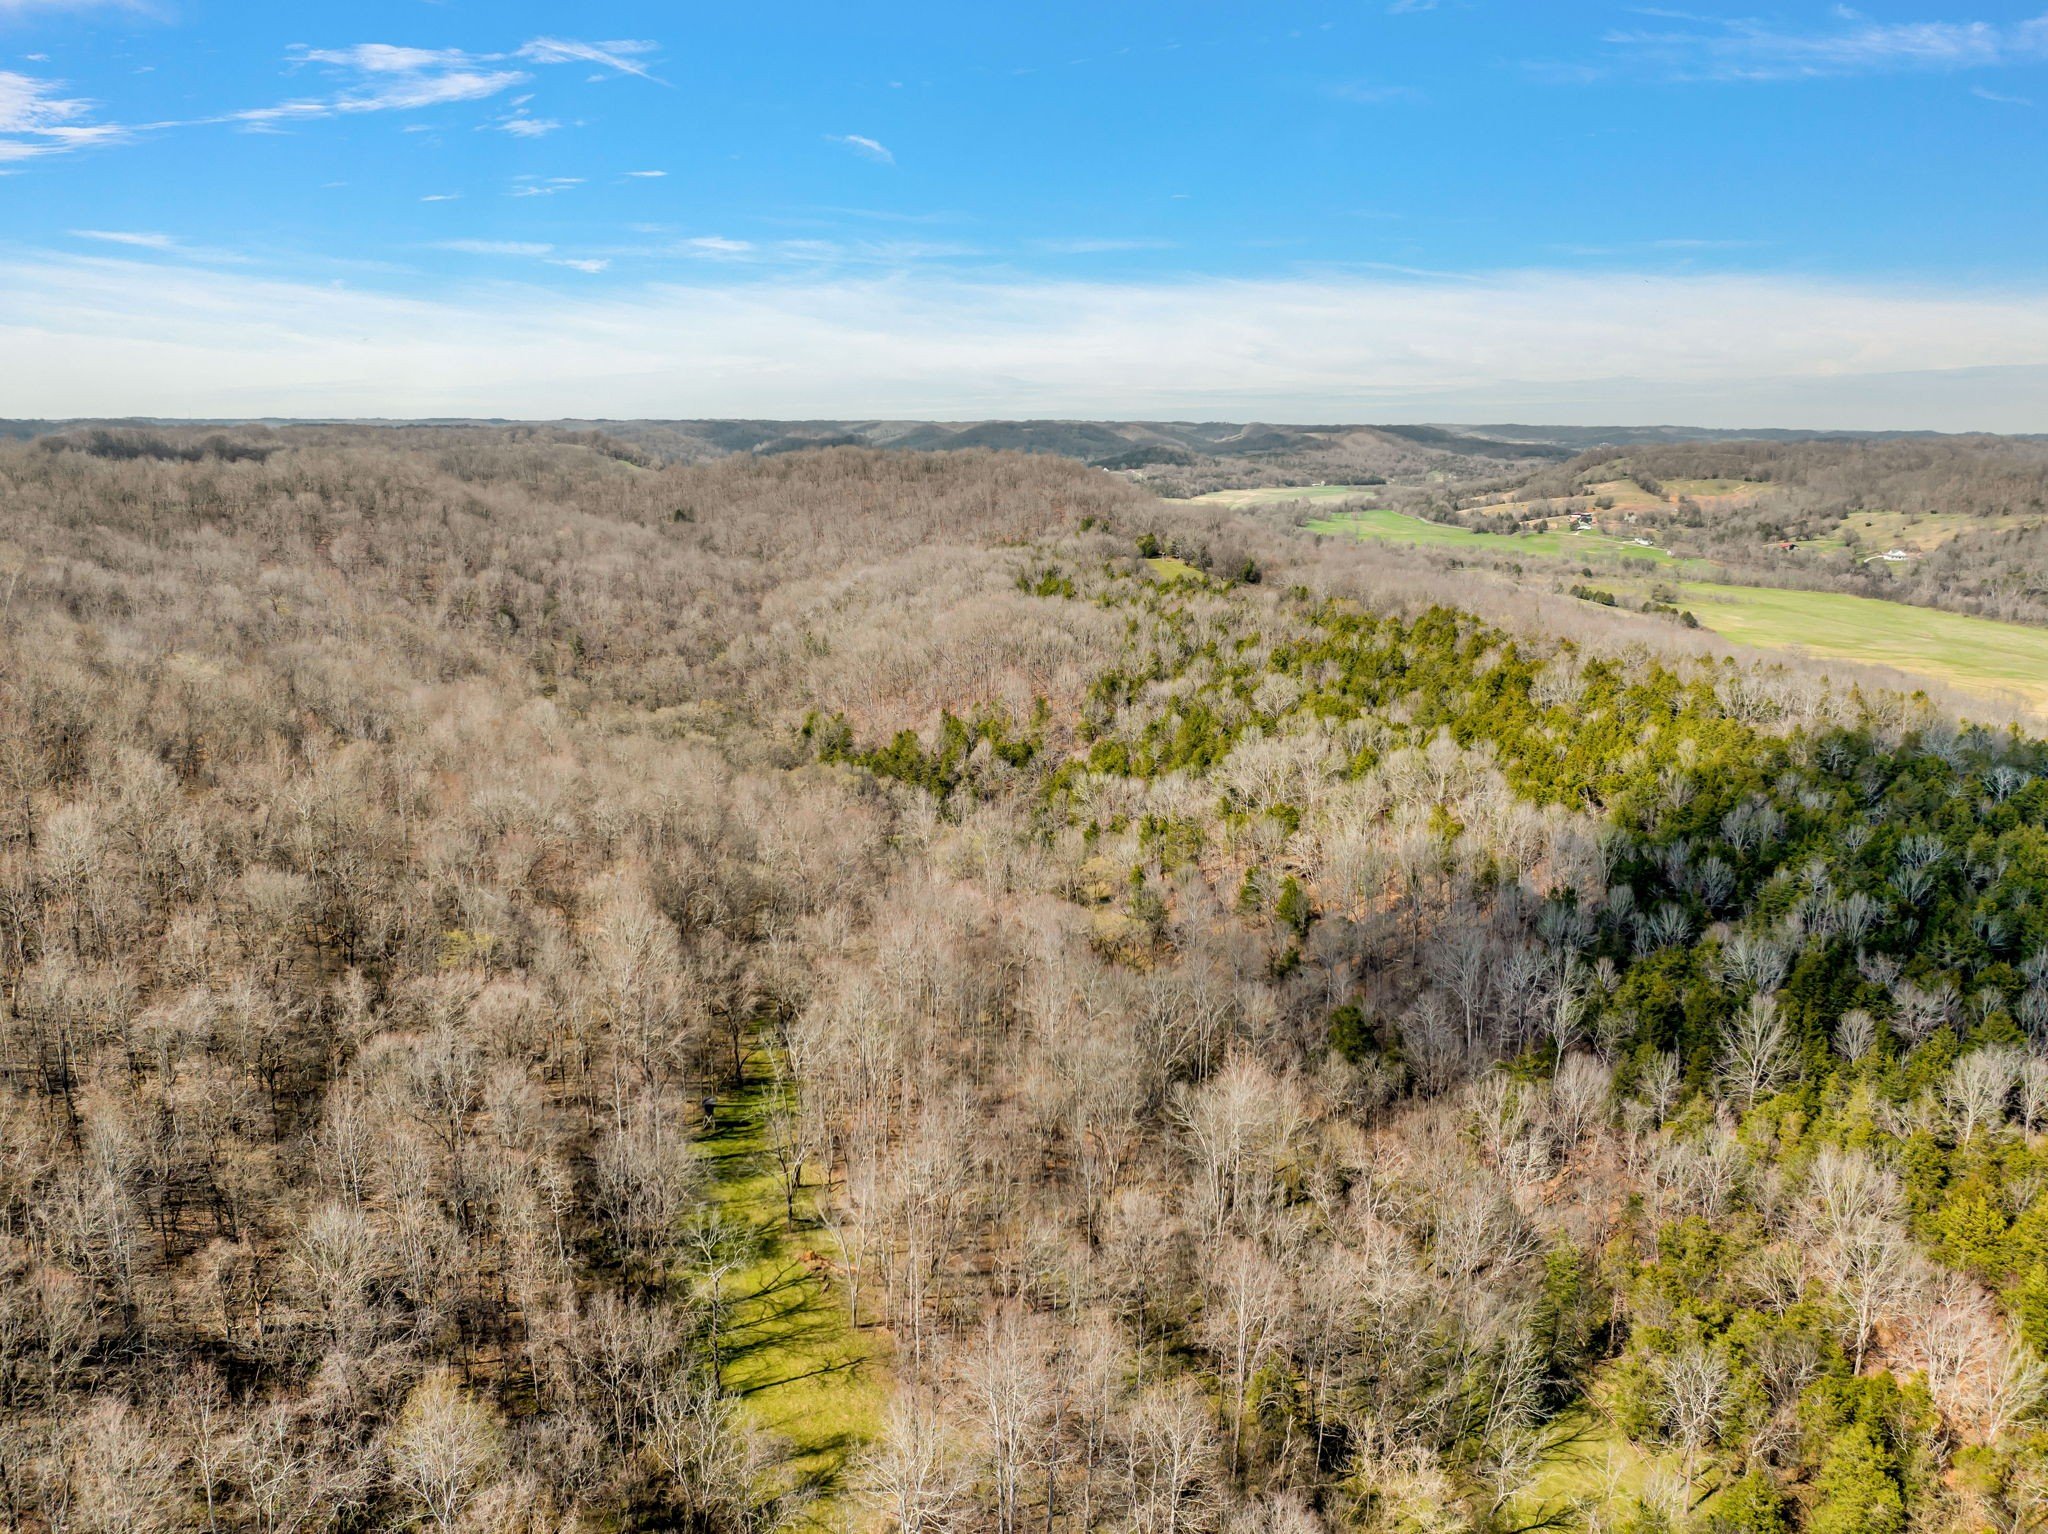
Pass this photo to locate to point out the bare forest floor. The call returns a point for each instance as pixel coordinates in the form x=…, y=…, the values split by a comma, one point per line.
x=792, y=1353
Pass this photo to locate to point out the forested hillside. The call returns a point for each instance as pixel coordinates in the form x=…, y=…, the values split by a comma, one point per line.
x=1233, y=1033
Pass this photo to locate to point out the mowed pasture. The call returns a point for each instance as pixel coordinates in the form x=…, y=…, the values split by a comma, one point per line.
x=1380, y=522
x=1977, y=655
x=1272, y=495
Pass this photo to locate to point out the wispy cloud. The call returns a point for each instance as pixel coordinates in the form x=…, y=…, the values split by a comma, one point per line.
x=1706, y=48
x=381, y=77
x=861, y=144
x=525, y=250
x=543, y=186
x=390, y=77
x=16, y=7
x=156, y=243
x=442, y=197
x=1982, y=93
x=621, y=56
x=37, y=119
x=137, y=238
x=494, y=247
x=646, y=175
x=1085, y=245
x=521, y=124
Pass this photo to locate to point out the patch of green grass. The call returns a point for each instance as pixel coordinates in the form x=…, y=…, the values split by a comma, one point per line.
x=792, y=1353
x=1697, y=488
x=1267, y=495
x=1589, y=1462
x=1384, y=523
x=1880, y=530
x=1978, y=655
x=1626, y=494
x=1168, y=569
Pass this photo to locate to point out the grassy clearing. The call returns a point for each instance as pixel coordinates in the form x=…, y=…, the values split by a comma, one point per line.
x=1626, y=494
x=1588, y=1461
x=792, y=1353
x=1267, y=495
x=1703, y=489
x=1382, y=523
x=1978, y=655
x=1877, y=531
x=1169, y=570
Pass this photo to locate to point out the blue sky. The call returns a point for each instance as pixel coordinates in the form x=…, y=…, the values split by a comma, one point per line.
x=1407, y=210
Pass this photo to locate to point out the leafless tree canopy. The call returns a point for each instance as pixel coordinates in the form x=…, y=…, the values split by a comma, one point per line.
x=403, y=833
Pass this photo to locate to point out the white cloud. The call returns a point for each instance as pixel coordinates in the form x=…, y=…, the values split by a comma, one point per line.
x=622, y=56
x=647, y=175
x=1087, y=246
x=391, y=77
x=592, y=264
x=519, y=125
x=137, y=238
x=543, y=186
x=494, y=247
x=861, y=144
x=718, y=245
x=1757, y=51
x=442, y=197
x=383, y=77
x=110, y=337
x=36, y=119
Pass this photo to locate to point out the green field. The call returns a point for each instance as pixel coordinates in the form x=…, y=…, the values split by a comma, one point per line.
x=1382, y=523
x=792, y=1353
x=1978, y=655
x=1268, y=495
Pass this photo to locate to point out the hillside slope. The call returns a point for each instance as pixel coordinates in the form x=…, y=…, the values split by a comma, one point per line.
x=1203, y=1030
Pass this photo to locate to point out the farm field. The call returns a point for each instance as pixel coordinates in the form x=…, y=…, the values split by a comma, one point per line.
x=1704, y=489
x=1383, y=523
x=1881, y=530
x=1978, y=655
x=1626, y=494
x=1269, y=495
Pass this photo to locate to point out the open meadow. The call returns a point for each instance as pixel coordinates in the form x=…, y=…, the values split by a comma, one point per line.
x=1274, y=495
x=1380, y=522
x=1979, y=655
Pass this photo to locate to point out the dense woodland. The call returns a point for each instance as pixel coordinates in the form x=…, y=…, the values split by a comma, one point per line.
x=1266, y=1040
